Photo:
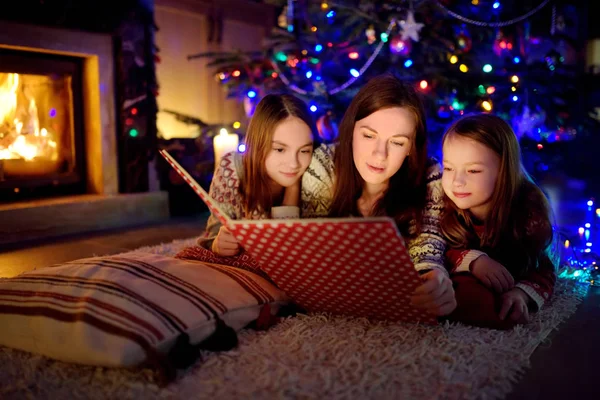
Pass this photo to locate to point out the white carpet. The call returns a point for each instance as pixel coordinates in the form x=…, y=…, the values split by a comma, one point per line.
x=316, y=356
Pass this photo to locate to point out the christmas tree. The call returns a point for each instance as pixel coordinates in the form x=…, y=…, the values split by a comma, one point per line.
x=519, y=59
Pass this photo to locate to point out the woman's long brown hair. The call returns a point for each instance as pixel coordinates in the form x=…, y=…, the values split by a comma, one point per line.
x=270, y=111
x=405, y=197
x=516, y=199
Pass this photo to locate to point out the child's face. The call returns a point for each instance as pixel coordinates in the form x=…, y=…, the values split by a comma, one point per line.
x=291, y=151
x=470, y=174
x=381, y=142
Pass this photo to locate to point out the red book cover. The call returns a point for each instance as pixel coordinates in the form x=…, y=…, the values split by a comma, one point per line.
x=352, y=266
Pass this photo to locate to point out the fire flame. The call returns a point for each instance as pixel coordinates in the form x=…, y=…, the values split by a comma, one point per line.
x=21, y=139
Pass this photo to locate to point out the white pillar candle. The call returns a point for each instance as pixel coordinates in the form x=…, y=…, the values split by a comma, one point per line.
x=224, y=143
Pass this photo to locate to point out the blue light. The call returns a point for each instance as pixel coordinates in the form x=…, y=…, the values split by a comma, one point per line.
x=589, y=244
x=587, y=225
x=290, y=28
x=516, y=60
x=587, y=234
x=487, y=68
x=251, y=94
x=408, y=63
x=588, y=250
x=331, y=14
x=318, y=77
x=308, y=74
x=313, y=108
x=354, y=73
x=515, y=98
x=318, y=48
x=242, y=148
x=590, y=203
x=496, y=5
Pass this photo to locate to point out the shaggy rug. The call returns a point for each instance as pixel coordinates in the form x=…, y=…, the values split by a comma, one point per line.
x=315, y=356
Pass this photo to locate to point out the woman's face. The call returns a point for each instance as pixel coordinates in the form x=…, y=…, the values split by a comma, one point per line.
x=381, y=142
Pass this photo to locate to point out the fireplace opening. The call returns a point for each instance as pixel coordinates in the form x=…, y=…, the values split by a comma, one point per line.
x=41, y=125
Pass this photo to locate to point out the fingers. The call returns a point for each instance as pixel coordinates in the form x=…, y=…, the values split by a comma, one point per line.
x=441, y=297
x=510, y=281
x=431, y=284
x=520, y=313
x=495, y=282
x=507, y=303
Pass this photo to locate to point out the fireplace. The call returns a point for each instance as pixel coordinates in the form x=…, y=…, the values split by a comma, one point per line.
x=41, y=125
x=60, y=135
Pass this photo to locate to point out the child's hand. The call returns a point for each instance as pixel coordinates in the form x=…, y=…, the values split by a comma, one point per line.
x=517, y=301
x=492, y=274
x=291, y=194
x=225, y=243
x=436, y=295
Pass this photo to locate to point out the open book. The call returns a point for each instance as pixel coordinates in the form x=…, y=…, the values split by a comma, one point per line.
x=351, y=266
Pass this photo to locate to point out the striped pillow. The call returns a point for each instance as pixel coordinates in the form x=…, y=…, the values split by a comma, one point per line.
x=127, y=310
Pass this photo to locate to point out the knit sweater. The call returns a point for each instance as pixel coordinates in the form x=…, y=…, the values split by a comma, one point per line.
x=538, y=282
x=426, y=249
x=225, y=188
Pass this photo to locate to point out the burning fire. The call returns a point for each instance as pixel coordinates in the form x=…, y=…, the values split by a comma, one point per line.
x=20, y=133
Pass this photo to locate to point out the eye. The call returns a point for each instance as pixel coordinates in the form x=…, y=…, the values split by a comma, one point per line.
x=474, y=171
x=447, y=169
x=279, y=150
x=399, y=144
x=306, y=151
x=368, y=135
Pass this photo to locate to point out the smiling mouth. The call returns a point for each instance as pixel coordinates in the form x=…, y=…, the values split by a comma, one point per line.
x=461, y=195
x=289, y=174
x=376, y=170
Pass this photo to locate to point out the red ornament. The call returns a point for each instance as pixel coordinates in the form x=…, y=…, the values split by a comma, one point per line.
x=464, y=42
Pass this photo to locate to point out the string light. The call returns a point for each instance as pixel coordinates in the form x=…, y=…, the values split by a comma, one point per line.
x=331, y=14
x=496, y=5
x=324, y=6
x=516, y=60
x=236, y=73
x=515, y=98
x=408, y=63
x=487, y=105
x=354, y=73
x=487, y=68
x=242, y=148
x=514, y=79
x=313, y=108
x=490, y=90
x=314, y=29
x=384, y=37
x=237, y=125
x=133, y=132
x=318, y=48
x=453, y=59
x=423, y=84
x=353, y=55
x=309, y=74
x=251, y=94
x=463, y=68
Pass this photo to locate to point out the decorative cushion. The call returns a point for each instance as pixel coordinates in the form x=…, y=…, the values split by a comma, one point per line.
x=128, y=310
x=243, y=260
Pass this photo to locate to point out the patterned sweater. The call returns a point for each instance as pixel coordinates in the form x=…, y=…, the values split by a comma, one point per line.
x=538, y=283
x=426, y=249
x=225, y=188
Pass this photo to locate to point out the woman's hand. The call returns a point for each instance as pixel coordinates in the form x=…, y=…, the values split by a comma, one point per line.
x=436, y=295
x=515, y=302
x=225, y=243
x=492, y=274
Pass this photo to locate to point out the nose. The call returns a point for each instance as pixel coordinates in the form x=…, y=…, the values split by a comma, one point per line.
x=459, y=179
x=380, y=151
x=294, y=162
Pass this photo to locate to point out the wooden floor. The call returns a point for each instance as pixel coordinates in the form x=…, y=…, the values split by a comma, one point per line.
x=564, y=367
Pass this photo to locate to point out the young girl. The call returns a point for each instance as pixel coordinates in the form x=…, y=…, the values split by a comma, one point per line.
x=380, y=167
x=265, y=181
x=497, y=225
